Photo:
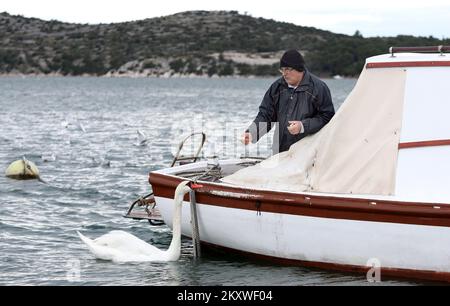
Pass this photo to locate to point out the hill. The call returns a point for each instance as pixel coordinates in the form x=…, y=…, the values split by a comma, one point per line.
x=193, y=42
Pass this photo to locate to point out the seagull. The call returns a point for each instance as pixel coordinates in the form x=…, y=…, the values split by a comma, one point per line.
x=101, y=161
x=47, y=157
x=142, y=138
x=80, y=125
x=65, y=123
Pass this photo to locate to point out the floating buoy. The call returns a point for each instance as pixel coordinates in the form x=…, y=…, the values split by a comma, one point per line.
x=22, y=169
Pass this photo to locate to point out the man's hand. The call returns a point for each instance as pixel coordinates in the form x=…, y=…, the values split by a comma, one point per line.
x=246, y=138
x=295, y=127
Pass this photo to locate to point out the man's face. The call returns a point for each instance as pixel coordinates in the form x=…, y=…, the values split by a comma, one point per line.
x=291, y=76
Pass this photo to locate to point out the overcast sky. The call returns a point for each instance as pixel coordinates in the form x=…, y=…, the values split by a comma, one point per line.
x=371, y=18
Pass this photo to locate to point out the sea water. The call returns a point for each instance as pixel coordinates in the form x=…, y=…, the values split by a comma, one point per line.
x=85, y=135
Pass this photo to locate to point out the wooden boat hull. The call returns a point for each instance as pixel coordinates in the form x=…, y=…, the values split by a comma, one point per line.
x=352, y=234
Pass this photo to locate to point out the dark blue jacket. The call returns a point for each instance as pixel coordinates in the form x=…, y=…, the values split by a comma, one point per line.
x=309, y=103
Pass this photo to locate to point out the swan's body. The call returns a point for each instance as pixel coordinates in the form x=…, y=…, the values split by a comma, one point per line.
x=120, y=246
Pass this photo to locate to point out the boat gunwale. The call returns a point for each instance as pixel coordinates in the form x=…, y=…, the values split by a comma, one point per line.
x=369, y=197
x=324, y=206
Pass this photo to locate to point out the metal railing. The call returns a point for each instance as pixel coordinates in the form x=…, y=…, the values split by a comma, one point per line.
x=425, y=49
x=190, y=158
x=152, y=214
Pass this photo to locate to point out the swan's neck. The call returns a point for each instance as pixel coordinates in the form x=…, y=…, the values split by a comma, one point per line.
x=175, y=245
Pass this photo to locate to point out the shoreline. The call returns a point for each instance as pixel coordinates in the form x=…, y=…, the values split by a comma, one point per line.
x=131, y=76
x=156, y=76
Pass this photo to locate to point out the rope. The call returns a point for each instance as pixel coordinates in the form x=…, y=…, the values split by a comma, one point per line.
x=194, y=224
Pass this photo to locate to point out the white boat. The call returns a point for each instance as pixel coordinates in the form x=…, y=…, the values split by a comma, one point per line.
x=373, y=188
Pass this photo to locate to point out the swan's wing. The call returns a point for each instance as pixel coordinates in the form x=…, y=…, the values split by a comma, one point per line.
x=129, y=243
x=121, y=246
x=99, y=251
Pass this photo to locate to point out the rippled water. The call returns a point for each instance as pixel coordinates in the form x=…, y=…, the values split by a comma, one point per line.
x=90, y=125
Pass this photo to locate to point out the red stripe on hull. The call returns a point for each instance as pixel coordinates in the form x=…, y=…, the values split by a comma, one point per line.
x=428, y=143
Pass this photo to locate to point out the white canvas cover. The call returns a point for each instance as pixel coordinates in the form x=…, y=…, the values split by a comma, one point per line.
x=356, y=152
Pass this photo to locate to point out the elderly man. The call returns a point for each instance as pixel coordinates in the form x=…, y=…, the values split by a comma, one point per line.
x=298, y=101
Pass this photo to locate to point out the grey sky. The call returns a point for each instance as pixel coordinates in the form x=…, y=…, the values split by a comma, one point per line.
x=374, y=18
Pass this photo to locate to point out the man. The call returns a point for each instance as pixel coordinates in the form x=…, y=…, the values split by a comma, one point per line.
x=298, y=101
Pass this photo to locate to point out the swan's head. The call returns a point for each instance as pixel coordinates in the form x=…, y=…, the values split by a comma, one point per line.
x=183, y=188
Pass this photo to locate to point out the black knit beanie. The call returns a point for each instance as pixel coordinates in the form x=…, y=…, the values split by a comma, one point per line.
x=293, y=59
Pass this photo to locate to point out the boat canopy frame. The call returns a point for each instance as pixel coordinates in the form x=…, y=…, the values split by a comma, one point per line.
x=422, y=49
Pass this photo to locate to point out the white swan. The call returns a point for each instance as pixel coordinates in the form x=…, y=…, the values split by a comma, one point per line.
x=120, y=246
